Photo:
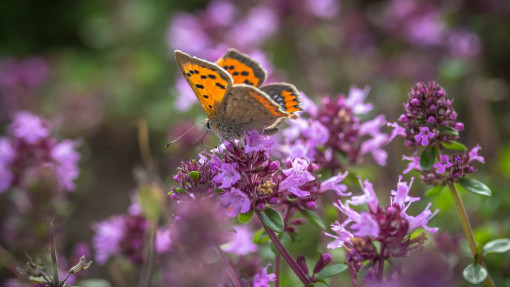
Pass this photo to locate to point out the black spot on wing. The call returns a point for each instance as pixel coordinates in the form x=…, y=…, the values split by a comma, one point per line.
x=220, y=86
x=245, y=73
x=199, y=86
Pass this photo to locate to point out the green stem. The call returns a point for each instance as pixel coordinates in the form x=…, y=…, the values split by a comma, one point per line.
x=283, y=252
x=466, y=226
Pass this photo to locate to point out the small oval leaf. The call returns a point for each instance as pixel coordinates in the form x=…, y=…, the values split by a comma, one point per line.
x=500, y=245
x=272, y=220
x=260, y=236
x=454, y=145
x=245, y=217
x=195, y=175
x=435, y=191
x=314, y=218
x=475, y=186
x=475, y=273
x=449, y=130
x=330, y=271
x=428, y=158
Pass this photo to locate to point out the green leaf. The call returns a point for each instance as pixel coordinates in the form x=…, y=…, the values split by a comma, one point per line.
x=435, y=191
x=475, y=273
x=454, y=145
x=314, y=218
x=500, y=245
x=330, y=271
x=272, y=219
x=428, y=158
x=260, y=236
x=245, y=217
x=449, y=130
x=475, y=186
x=195, y=175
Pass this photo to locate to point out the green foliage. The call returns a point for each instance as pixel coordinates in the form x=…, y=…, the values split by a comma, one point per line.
x=475, y=186
x=475, y=273
x=272, y=219
x=428, y=158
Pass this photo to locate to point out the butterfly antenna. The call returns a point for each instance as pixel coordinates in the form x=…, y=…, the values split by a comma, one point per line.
x=172, y=142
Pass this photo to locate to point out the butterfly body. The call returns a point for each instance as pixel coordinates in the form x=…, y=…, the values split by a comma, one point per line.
x=229, y=94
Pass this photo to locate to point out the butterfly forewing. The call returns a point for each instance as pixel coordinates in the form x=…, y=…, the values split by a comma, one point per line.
x=209, y=82
x=285, y=95
x=247, y=108
x=243, y=69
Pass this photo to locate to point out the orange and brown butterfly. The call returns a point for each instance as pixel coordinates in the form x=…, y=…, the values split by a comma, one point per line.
x=230, y=94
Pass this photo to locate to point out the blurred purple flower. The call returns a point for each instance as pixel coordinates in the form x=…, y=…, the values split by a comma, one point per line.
x=326, y=9
x=333, y=183
x=414, y=163
x=241, y=242
x=255, y=28
x=443, y=163
x=236, y=200
x=67, y=159
x=30, y=72
x=29, y=127
x=107, y=238
x=7, y=152
x=463, y=43
x=6, y=177
x=187, y=34
x=356, y=99
x=185, y=96
x=262, y=279
x=473, y=154
x=425, y=30
x=221, y=12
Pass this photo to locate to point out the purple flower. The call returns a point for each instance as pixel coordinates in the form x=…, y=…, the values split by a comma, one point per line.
x=325, y=9
x=163, y=241
x=333, y=183
x=397, y=131
x=429, y=111
x=6, y=177
x=414, y=163
x=297, y=175
x=424, y=135
x=342, y=235
x=107, y=238
x=255, y=28
x=262, y=279
x=187, y=34
x=356, y=98
x=256, y=142
x=422, y=220
x=241, y=242
x=29, y=127
x=7, y=152
x=236, y=200
x=443, y=164
x=373, y=146
x=228, y=176
x=473, y=154
x=186, y=97
x=368, y=196
x=67, y=159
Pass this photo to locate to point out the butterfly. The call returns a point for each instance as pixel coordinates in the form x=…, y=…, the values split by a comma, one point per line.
x=232, y=97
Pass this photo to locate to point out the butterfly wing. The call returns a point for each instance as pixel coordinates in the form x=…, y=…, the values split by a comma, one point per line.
x=209, y=82
x=242, y=68
x=285, y=95
x=248, y=108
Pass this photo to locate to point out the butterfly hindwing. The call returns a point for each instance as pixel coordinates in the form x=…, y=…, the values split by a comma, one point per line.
x=285, y=95
x=242, y=68
x=209, y=82
x=247, y=108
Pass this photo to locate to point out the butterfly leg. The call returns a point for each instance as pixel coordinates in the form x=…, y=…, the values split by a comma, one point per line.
x=270, y=131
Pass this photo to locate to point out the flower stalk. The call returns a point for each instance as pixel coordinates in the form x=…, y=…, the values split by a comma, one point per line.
x=283, y=252
x=468, y=231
